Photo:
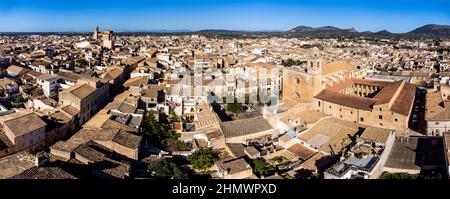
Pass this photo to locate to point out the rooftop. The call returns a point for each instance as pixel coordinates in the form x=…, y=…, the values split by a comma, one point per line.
x=46, y=172
x=234, y=166
x=127, y=139
x=15, y=121
x=436, y=108
x=330, y=135
x=415, y=153
x=80, y=91
x=335, y=67
x=301, y=151
x=377, y=135
x=402, y=103
x=15, y=164
x=244, y=127
x=137, y=81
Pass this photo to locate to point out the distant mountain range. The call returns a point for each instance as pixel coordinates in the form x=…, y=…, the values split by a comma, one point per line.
x=432, y=30
x=426, y=31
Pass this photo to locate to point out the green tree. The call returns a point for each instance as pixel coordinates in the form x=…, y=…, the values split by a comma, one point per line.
x=393, y=69
x=175, y=145
x=235, y=107
x=81, y=63
x=18, y=101
x=306, y=174
x=203, y=159
x=158, y=132
x=292, y=62
x=387, y=175
x=260, y=167
x=164, y=168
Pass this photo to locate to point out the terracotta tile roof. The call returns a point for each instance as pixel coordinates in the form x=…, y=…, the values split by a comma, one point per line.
x=301, y=151
x=378, y=135
x=47, y=77
x=15, y=164
x=46, y=172
x=405, y=100
x=402, y=104
x=114, y=125
x=80, y=91
x=127, y=139
x=136, y=81
x=234, y=166
x=346, y=100
x=17, y=70
x=112, y=73
x=15, y=121
x=89, y=153
x=387, y=92
x=70, y=110
x=245, y=127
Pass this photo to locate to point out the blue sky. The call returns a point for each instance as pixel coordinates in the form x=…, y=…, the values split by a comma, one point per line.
x=147, y=15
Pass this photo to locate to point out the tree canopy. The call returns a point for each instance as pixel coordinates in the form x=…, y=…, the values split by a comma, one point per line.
x=81, y=63
x=387, y=175
x=18, y=101
x=203, y=159
x=165, y=168
x=292, y=62
x=161, y=134
x=261, y=168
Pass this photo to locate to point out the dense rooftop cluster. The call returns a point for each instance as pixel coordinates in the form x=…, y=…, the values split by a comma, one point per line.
x=136, y=106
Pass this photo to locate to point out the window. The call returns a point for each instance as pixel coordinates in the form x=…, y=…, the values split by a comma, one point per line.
x=351, y=112
x=381, y=109
x=436, y=123
x=329, y=107
x=396, y=119
x=318, y=103
x=381, y=124
x=362, y=119
x=380, y=117
x=298, y=81
x=340, y=110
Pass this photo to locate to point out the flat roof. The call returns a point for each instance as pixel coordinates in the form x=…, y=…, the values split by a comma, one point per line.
x=403, y=155
x=417, y=152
